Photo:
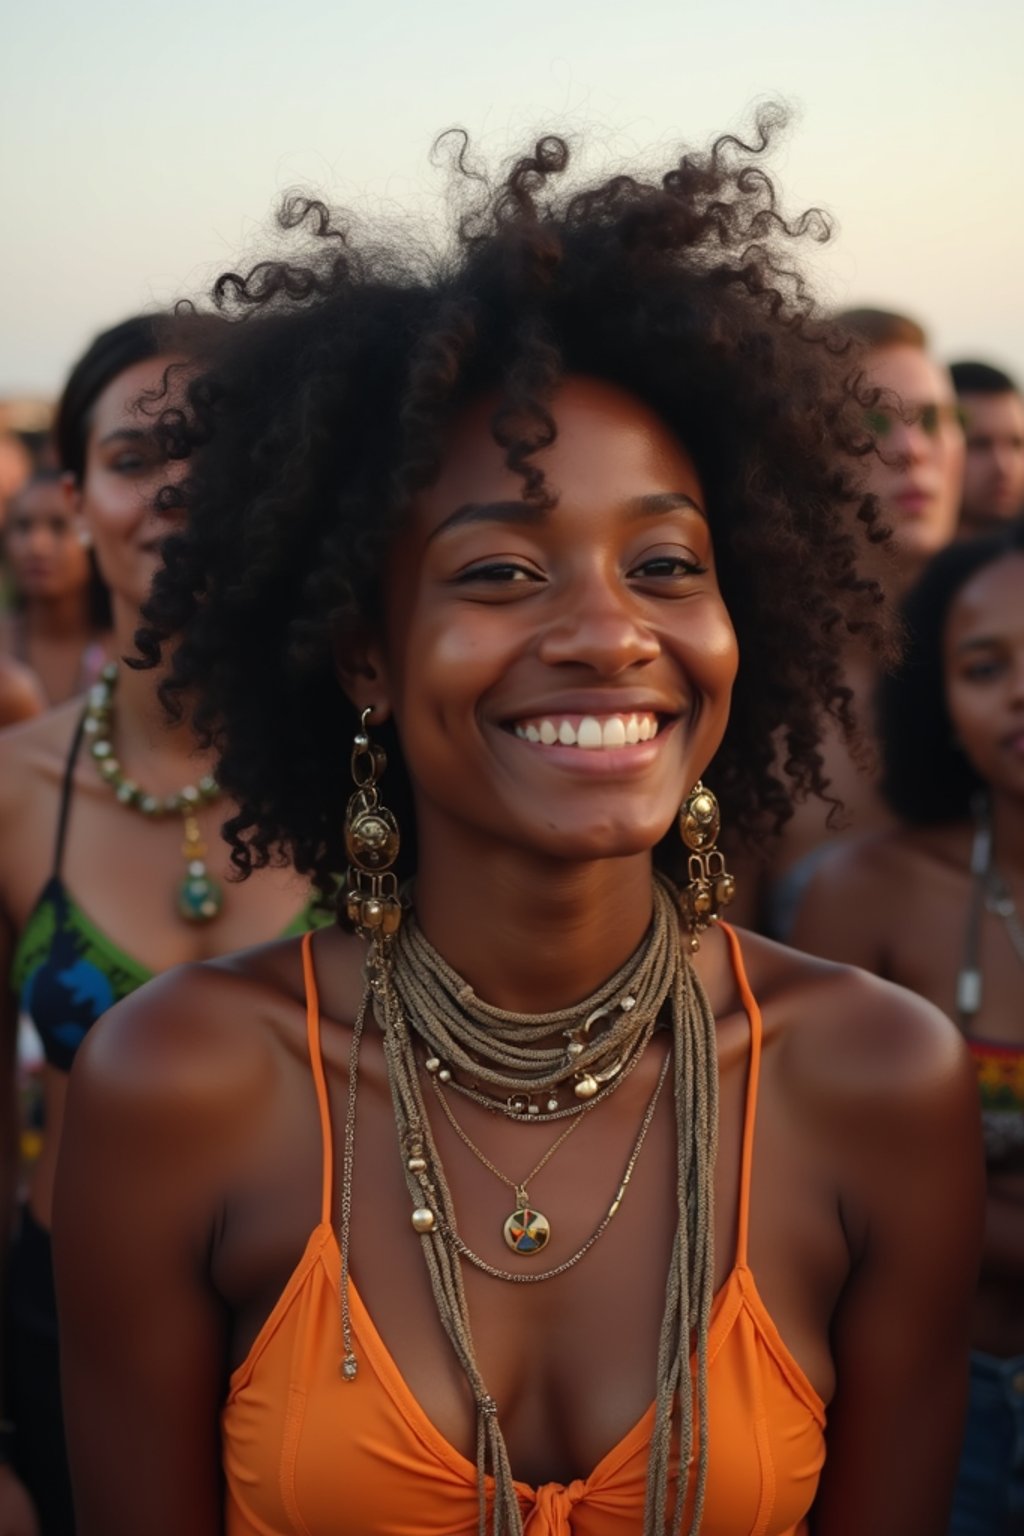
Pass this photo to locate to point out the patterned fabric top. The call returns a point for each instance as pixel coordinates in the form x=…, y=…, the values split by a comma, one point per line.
x=67, y=972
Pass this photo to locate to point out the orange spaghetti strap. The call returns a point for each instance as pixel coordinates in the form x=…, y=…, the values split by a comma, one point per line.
x=319, y=1080
x=753, y=1013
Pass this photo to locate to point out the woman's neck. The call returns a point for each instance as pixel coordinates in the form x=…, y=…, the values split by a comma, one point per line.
x=65, y=617
x=1008, y=834
x=530, y=934
x=148, y=744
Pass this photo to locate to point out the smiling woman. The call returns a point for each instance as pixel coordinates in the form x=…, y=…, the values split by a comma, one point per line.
x=534, y=534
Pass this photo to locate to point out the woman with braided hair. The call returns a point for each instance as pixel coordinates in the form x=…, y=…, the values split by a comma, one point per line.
x=529, y=1198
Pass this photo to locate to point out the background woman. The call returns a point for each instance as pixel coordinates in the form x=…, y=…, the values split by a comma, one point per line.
x=110, y=869
x=61, y=613
x=935, y=906
x=459, y=1217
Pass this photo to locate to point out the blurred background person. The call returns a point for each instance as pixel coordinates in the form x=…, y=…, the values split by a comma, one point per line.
x=993, y=412
x=15, y=467
x=59, y=622
x=111, y=868
x=916, y=472
x=937, y=905
x=21, y=693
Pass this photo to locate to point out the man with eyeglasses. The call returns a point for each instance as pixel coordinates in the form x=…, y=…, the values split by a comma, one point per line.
x=994, y=423
x=917, y=469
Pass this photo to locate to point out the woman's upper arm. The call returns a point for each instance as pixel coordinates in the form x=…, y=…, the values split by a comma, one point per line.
x=142, y=1333
x=901, y=1330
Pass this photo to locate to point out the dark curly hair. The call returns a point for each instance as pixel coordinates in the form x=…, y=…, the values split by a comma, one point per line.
x=926, y=778
x=323, y=409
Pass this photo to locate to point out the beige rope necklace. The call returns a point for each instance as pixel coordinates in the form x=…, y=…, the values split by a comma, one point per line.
x=414, y=993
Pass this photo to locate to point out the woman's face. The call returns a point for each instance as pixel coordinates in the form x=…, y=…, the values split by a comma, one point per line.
x=123, y=472
x=43, y=545
x=984, y=664
x=559, y=679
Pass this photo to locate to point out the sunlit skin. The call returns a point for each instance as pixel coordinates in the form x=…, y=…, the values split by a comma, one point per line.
x=917, y=474
x=994, y=469
x=897, y=904
x=605, y=606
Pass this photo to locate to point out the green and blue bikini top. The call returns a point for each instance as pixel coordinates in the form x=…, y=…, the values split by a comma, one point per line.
x=66, y=971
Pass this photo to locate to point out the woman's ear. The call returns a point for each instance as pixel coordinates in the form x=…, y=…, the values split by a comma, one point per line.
x=71, y=495
x=362, y=671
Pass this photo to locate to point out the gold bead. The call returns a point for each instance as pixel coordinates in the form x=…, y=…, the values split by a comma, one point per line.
x=423, y=1219
x=586, y=1087
x=416, y=1164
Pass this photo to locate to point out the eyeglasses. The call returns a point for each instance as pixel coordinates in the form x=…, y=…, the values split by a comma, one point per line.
x=930, y=418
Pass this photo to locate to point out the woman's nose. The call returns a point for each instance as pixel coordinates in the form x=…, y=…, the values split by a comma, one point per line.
x=600, y=628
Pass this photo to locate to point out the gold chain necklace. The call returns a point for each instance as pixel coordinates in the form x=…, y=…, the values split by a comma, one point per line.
x=199, y=898
x=620, y=1194
x=527, y=1230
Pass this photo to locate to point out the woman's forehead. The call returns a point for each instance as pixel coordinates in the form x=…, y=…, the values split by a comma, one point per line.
x=607, y=444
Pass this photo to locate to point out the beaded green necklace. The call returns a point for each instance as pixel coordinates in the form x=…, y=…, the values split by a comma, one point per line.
x=199, y=898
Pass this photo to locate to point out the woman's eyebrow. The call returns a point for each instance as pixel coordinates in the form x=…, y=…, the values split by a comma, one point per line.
x=664, y=501
x=523, y=512
x=526, y=513
x=131, y=434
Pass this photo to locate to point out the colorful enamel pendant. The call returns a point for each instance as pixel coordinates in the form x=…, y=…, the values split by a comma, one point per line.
x=527, y=1230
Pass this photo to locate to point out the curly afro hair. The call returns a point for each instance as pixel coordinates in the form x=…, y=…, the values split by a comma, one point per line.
x=926, y=778
x=322, y=409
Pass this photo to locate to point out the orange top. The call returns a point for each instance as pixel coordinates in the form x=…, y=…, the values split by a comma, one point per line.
x=308, y=1454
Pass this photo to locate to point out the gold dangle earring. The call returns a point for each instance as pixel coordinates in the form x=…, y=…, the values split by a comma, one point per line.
x=372, y=904
x=710, y=886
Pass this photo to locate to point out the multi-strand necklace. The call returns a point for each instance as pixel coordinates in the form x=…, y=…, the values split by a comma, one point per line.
x=199, y=897
x=507, y=1061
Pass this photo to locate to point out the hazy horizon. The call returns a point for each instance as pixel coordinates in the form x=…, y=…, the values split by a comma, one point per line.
x=145, y=152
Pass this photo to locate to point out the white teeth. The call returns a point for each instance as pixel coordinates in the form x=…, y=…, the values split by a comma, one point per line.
x=589, y=734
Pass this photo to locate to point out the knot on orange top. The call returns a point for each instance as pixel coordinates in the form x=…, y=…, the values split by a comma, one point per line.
x=553, y=1503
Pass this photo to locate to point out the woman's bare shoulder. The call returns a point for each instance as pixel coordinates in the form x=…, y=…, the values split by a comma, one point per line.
x=206, y=1029
x=849, y=1035
x=33, y=748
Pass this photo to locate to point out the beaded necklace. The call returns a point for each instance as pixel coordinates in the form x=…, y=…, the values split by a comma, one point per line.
x=199, y=898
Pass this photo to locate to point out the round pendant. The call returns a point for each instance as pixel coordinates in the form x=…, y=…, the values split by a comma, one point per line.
x=199, y=898
x=527, y=1231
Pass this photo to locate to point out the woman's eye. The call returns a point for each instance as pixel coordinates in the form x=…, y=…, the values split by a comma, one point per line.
x=498, y=572
x=981, y=671
x=669, y=565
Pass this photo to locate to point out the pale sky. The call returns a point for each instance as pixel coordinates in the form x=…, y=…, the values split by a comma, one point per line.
x=144, y=144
